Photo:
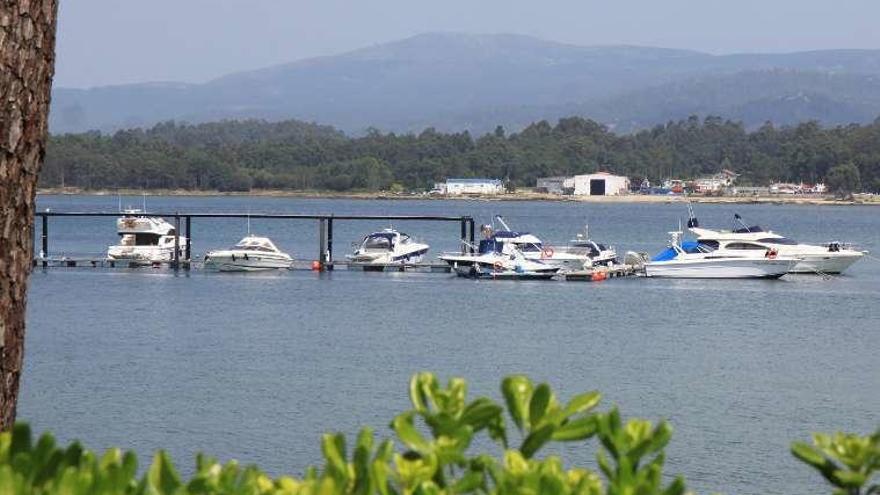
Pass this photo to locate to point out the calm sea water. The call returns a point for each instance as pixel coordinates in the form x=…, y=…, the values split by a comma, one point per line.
x=255, y=367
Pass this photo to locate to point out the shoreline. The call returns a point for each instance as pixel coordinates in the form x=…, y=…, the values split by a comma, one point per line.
x=517, y=196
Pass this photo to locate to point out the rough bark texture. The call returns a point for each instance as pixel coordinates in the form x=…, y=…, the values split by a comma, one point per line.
x=27, y=61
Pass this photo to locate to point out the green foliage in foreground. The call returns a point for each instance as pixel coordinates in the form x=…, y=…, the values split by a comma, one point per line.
x=431, y=455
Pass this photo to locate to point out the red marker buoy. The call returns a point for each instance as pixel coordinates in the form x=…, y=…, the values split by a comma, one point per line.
x=316, y=265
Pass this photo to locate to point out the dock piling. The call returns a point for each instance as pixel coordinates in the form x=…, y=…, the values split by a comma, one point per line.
x=188, y=242
x=322, y=244
x=330, y=243
x=176, y=264
x=44, y=253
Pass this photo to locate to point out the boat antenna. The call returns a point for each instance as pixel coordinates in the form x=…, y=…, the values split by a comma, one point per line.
x=739, y=219
x=145, y=202
x=501, y=221
x=692, y=219
x=118, y=201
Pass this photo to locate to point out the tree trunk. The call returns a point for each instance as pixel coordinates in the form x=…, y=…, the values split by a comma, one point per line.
x=27, y=61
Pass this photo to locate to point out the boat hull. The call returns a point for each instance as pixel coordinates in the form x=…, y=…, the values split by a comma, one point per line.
x=472, y=272
x=830, y=263
x=722, y=269
x=250, y=263
x=146, y=254
x=388, y=258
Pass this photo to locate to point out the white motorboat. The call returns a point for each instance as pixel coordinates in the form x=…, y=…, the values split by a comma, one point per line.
x=830, y=258
x=145, y=239
x=491, y=261
x=696, y=260
x=388, y=247
x=252, y=253
x=579, y=254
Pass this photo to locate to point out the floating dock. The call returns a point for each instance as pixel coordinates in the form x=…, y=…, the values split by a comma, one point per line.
x=599, y=274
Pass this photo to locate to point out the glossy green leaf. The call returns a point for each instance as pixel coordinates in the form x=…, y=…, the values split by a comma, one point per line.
x=517, y=391
x=538, y=404
x=535, y=440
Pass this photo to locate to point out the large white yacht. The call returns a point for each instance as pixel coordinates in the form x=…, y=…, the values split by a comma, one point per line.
x=830, y=258
x=387, y=247
x=579, y=254
x=145, y=239
x=252, y=253
x=694, y=259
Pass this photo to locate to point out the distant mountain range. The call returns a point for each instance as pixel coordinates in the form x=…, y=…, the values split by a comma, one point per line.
x=454, y=81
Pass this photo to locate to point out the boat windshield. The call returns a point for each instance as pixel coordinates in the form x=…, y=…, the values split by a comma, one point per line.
x=779, y=240
x=251, y=247
x=746, y=230
x=529, y=247
x=379, y=241
x=254, y=244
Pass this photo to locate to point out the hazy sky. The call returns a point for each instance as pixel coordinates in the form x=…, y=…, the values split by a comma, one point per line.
x=120, y=41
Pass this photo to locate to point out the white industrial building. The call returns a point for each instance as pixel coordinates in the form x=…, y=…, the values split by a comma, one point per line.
x=474, y=186
x=600, y=184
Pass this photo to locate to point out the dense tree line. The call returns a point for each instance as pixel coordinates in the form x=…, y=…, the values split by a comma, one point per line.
x=235, y=156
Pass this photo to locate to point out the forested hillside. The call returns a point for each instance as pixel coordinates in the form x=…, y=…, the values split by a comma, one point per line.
x=300, y=156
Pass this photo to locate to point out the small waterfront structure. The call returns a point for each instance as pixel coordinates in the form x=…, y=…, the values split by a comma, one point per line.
x=600, y=184
x=252, y=253
x=474, y=186
x=555, y=185
x=388, y=246
x=715, y=183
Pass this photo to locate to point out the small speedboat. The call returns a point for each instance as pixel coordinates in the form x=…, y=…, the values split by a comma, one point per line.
x=252, y=253
x=145, y=239
x=832, y=257
x=693, y=259
x=491, y=262
x=388, y=247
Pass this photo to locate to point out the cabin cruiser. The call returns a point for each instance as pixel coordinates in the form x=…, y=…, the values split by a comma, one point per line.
x=581, y=253
x=387, y=247
x=694, y=259
x=252, y=253
x=830, y=258
x=145, y=239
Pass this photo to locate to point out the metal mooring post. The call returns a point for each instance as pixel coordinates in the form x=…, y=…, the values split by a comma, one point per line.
x=44, y=252
x=330, y=243
x=322, y=246
x=464, y=246
x=176, y=263
x=189, y=241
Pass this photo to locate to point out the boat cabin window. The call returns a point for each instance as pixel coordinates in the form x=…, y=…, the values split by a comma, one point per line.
x=140, y=239
x=779, y=240
x=708, y=245
x=745, y=246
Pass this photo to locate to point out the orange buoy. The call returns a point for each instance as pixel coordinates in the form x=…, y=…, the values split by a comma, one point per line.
x=316, y=265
